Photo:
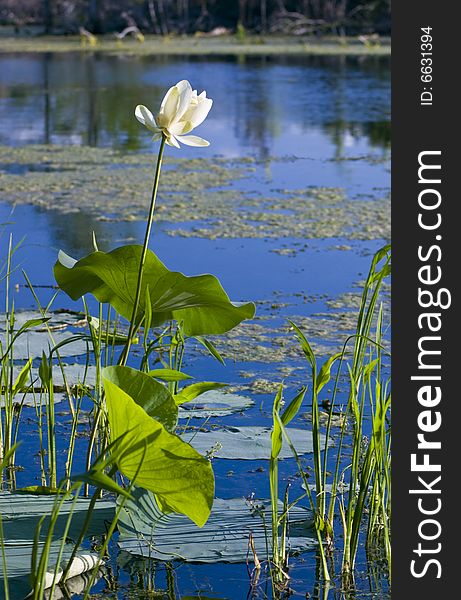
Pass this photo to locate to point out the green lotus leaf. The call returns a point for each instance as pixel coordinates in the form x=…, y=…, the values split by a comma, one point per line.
x=149, y=394
x=181, y=478
x=199, y=302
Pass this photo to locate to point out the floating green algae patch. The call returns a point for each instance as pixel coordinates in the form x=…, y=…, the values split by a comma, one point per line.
x=271, y=353
x=202, y=202
x=270, y=339
x=197, y=45
x=104, y=183
x=314, y=213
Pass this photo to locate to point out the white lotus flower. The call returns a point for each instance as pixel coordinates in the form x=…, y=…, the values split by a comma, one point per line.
x=181, y=111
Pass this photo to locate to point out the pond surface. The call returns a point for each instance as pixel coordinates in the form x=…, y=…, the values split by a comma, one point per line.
x=305, y=138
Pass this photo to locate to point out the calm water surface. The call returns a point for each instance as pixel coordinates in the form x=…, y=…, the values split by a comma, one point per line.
x=330, y=113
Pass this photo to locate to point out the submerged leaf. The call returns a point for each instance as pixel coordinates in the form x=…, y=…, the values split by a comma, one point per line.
x=199, y=302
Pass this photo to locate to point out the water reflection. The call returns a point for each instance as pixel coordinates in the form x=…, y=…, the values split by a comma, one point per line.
x=319, y=108
x=263, y=106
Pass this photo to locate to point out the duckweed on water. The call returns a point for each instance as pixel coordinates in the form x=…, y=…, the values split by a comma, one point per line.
x=111, y=186
x=265, y=339
x=103, y=182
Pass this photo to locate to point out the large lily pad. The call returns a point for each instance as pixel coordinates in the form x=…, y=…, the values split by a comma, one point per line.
x=18, y=556
x=199, y=302
x=75, y=374
x=31, y=399
x=20, y=514
x=215, y=404
x=146, y=531
x=249, y=443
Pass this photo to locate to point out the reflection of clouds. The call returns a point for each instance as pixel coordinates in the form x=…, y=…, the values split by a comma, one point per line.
x=222, y=141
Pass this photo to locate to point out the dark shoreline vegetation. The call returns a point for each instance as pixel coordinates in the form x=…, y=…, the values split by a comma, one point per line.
x=103, y=450
x=292, y=17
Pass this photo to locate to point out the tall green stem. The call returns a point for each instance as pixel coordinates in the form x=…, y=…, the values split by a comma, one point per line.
x=133, y=324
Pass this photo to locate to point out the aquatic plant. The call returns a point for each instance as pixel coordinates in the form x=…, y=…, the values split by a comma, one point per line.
x=360, y=480
x=199, y=305
x=181, y=111
x=279, y=522
x=136, y=410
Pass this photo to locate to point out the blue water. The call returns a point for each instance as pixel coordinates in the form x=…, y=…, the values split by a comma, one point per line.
x=319, y=110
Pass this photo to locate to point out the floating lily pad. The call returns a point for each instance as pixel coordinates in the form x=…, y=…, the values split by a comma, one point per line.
x=249, y=443
x=75, y=374
x=214, y=404
x=20, y=514
x=341, y=487
x=146, y=531
x=29, y=399
x=37, y=340
x=18, y=562
x=74, y=585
